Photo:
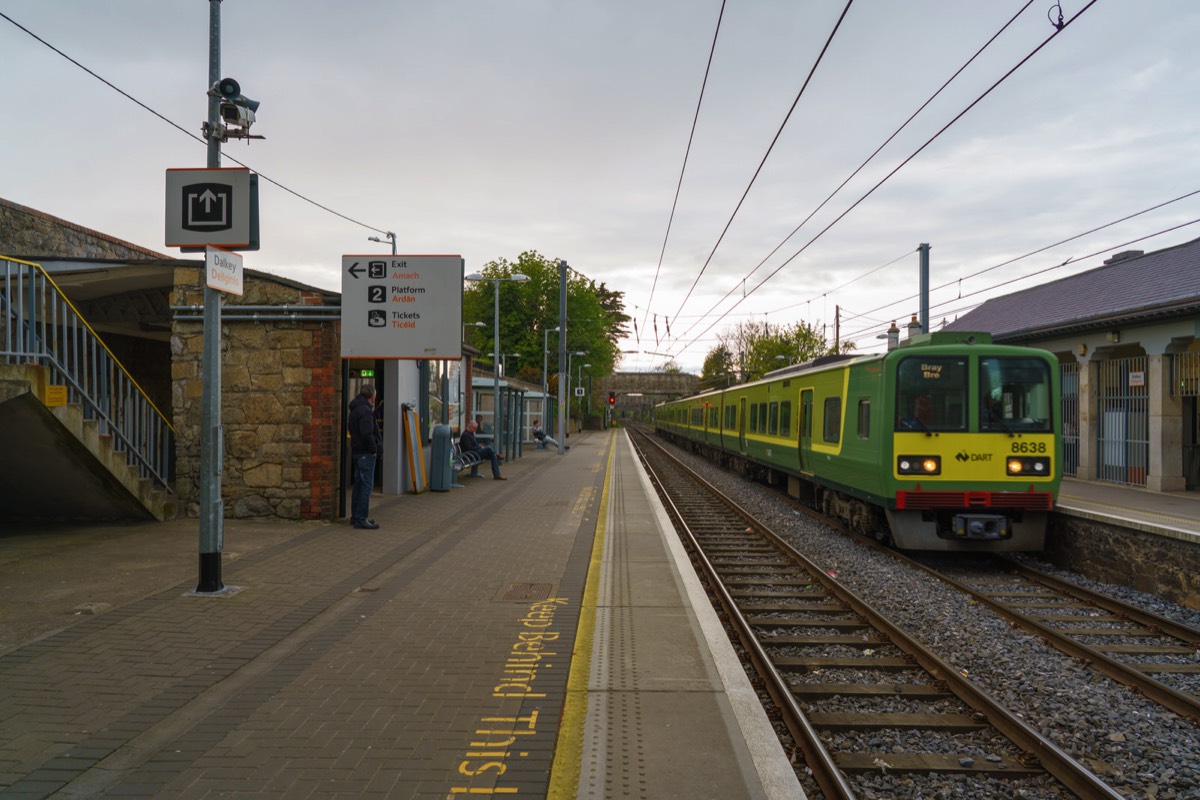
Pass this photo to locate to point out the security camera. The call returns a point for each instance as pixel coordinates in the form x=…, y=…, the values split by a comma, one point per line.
x=236, y=108
x=234, y=114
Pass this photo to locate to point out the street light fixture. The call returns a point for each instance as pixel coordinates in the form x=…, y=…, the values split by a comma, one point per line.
x=497, y=418
x=472, y=325
x=504, y=364
x=389, y=235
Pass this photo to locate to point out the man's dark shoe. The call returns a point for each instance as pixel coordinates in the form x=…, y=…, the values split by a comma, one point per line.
x=369, y=525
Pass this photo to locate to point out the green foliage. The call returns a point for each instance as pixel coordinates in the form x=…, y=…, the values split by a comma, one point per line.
x=752, y=349
x=596, y=317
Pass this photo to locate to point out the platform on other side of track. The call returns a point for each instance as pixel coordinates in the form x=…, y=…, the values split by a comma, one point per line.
x=1175, y=515
x=540, y=636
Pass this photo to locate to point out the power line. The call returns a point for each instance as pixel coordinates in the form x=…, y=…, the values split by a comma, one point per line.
x=871, y=157
x=1044, y=248
x=687, y=151
x=766, y=155
x=179, y=127
x=1068, y=262
x=900, y=166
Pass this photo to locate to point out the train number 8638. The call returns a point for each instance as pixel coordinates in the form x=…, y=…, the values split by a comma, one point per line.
x=1028, y=447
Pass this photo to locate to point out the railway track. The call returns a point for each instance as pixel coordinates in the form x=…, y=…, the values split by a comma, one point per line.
x=1149, y=653
x=837, y=670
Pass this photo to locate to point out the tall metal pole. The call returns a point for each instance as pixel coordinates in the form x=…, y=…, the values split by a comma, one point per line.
x=497, y=419
x=923, y=249
x=563, y=380
x=212, y=450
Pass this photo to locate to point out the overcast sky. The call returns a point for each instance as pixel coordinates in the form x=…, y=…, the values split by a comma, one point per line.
x=489, y=128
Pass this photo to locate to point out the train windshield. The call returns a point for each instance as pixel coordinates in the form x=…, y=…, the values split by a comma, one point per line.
x=1014, y=395
x=931, y=394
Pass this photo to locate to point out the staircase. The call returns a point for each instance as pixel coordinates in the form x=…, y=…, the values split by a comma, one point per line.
x=79, y=439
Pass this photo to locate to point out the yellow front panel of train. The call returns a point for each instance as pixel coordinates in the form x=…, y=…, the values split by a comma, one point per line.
x=976, y=457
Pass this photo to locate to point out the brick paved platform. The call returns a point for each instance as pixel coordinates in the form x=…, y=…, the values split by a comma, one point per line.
x=528, y=638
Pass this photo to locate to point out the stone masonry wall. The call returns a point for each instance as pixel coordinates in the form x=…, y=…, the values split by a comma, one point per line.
x=1154, y=564
x=279, y=405
x=25, y=232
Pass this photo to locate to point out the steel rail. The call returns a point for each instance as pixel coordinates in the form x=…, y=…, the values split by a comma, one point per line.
x=1056, y=761
x=818, y=759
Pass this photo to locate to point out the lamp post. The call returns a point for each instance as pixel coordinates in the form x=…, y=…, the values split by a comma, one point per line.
x=504, y=364
x=571, y=354
x=589, y=399
x=389, y=235
x=545, y=366
x=497, y=419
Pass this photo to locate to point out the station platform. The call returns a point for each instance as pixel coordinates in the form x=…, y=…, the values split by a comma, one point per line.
x=536, y=637
x=1175, y=515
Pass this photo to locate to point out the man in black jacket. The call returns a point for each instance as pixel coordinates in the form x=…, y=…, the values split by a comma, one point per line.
x=365, y=446
x=470, y=444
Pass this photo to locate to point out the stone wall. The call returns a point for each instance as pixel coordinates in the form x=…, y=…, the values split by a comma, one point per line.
x=280, y=391
x=1155, y=564
x=37, y=235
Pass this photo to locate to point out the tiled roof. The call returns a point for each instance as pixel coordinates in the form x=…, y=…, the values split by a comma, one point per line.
x=1164, y=283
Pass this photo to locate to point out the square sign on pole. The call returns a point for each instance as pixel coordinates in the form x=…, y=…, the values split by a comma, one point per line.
x=402, y=307
x=223, y=269
x=212, y=206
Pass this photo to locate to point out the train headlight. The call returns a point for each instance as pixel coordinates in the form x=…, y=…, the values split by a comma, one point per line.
x=919, y=465
x=1028, y=465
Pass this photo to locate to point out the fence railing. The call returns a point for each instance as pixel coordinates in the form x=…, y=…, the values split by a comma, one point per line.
x=38, y=324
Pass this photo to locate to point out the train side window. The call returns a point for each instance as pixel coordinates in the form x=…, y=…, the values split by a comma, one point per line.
x=762, y=417
x=754, y=417
x=864, y=419
x=831, y=431
x=785, y=418
x=773, y=419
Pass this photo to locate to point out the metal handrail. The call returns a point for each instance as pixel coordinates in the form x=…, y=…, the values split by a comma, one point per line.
x=39, y=324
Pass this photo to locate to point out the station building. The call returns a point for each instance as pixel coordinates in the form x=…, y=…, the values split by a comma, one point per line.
x=1127, y=336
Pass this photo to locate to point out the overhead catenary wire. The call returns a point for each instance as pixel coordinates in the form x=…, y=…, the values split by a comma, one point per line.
x=1044, y=248
x=1066, y=263
x=774, y=140
x=683, y=169
x=991, y=40
x=179, y=127
x=900, y=166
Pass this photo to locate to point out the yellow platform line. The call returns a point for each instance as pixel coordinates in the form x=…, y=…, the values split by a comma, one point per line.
x=568, y=748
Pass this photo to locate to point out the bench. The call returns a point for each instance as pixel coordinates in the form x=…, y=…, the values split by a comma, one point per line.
x=463, y=460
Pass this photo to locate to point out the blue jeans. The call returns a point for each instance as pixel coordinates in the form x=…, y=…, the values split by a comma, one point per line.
x=487, y=453
x=364, y=482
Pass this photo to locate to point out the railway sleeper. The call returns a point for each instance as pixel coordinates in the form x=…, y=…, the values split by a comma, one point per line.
x=930, y=763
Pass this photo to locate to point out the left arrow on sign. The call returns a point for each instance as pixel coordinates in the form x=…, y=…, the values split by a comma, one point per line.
x=354, y=270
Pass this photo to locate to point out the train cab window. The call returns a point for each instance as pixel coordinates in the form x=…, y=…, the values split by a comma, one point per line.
x=773, y=419
x=864, y=419
x=1014, y=394
x=785, y=418
x=832, y=429
x=931, y=394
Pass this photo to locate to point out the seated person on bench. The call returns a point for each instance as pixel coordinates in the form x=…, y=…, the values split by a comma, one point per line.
x=469, y=444
x=543, y=440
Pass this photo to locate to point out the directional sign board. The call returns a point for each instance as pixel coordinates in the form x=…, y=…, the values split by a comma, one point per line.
x=402, y=307
x=212, y=206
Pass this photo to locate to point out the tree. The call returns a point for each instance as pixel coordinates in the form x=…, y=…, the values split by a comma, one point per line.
x=596, y=316
x=760, y=347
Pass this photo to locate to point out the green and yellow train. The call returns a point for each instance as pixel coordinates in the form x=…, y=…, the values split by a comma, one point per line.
x=947, y=442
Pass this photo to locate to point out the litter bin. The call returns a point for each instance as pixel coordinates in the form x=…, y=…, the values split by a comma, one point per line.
x=441, y=459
